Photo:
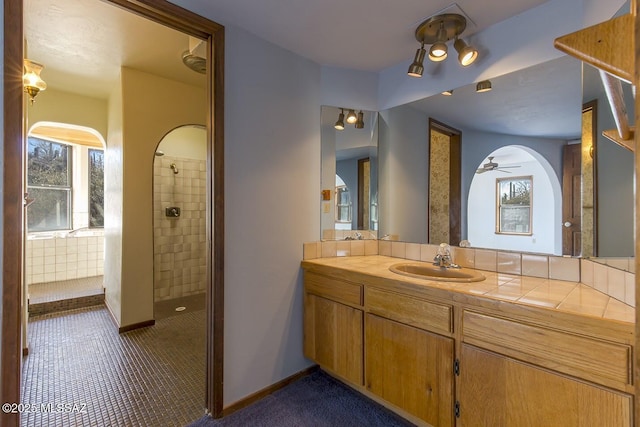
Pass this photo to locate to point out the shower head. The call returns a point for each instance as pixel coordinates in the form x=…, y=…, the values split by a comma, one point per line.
x=159, y=153
x=174, y=168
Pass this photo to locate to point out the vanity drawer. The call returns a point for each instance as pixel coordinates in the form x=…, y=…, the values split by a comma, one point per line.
x=604, y=362
x=410, y=310
x=333, y=289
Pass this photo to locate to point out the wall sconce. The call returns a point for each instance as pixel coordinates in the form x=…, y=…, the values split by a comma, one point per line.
x=483, y=86
x=31, y=79
x=352, y=118
x=437, y=31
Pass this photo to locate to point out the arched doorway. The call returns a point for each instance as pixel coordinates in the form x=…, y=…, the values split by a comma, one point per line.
x=516, y=165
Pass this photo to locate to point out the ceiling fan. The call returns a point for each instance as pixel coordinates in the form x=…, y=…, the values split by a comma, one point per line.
x=493, y=166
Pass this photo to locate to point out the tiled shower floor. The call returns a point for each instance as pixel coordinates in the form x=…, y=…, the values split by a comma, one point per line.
x=152, y=376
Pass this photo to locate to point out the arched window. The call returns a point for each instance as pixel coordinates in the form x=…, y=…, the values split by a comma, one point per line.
x=65, y=177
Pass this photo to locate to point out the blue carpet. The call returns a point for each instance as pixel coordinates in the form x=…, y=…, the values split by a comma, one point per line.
x=313, y=401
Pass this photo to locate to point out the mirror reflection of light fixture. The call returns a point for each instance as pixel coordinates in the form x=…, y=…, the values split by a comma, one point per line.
x=31, y=79
x=437, y=31
x=340, y=123
x=483, y=86
x=360, y=122
x=352, y=118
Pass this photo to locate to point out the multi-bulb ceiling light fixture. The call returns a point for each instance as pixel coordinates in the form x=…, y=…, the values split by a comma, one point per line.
x=437, y=31
x=33, y=83
x=352, y=119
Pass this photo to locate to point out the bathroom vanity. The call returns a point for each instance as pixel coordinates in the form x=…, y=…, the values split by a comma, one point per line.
x=504, y=351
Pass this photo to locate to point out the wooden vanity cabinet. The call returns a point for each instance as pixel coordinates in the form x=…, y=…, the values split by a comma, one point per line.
x=407, y=361
x=333, y=327
x=410, y=368
x=514, y=366
x=495, y=390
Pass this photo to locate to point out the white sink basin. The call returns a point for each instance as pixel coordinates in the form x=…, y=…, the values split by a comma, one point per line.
x=433, y=272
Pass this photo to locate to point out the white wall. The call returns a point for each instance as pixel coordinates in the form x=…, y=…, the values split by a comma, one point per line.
x=113, y=183
x=403, y=164
x=272, y=183
x=546, y=208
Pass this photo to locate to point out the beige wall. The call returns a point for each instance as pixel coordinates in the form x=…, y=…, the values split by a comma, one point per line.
x=152, y=106
x=113, y=206
x=64, y=107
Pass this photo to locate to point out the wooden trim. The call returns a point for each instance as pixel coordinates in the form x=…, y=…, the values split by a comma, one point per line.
x=171, y=15
x=12, y=215
x=593, y=106
x=636, y=80
x=361, y=196
x=606, y=46
x=138, y=325
x=215, y=300
x=168, y=14
x=252, y=398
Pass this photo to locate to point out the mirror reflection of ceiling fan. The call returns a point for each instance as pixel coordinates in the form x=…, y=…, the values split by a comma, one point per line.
x=493, y=166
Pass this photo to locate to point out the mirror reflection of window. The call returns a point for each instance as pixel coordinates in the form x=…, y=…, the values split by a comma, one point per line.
x=343, y=205
x=514, y=205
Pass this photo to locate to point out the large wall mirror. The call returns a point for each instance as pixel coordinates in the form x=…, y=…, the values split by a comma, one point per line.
x=519, y=129
x=349, y=207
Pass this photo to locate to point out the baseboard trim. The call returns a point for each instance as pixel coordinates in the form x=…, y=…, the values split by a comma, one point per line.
x=252, y=398
x=138, y=325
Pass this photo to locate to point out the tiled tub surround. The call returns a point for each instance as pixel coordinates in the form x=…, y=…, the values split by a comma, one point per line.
x=610, y=281
x=179, y=266
x=58, y=256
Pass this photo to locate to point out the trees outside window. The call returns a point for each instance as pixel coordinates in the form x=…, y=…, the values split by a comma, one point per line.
x=96, y=188
x=514, y=205
x=49, y=184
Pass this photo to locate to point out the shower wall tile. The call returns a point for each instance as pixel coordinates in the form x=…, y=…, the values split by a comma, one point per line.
x=179, y=243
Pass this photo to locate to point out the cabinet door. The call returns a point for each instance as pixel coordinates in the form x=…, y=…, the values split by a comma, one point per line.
x=333, y=336
x=498, y=391
x=410, y=368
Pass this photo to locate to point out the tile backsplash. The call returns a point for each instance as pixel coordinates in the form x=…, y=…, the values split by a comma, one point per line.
x=608, y=279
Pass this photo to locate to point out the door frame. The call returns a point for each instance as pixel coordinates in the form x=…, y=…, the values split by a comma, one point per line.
x=170, y=15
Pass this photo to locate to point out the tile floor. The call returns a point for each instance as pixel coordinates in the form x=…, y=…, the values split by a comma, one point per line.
x=152, y=376
x=65, y=289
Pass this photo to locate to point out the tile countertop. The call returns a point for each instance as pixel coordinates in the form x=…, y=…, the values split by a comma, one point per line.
x=568, y=297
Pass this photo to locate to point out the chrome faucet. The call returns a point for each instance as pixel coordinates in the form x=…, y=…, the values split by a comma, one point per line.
x=443, y=258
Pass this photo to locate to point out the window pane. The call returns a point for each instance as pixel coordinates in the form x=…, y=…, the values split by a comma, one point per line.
x=514, y=205
x=50, y=210
x=514, y=219
x=96, y=188
x=48, y=163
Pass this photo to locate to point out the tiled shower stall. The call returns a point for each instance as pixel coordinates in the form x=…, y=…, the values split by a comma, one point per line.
x=179, y=242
